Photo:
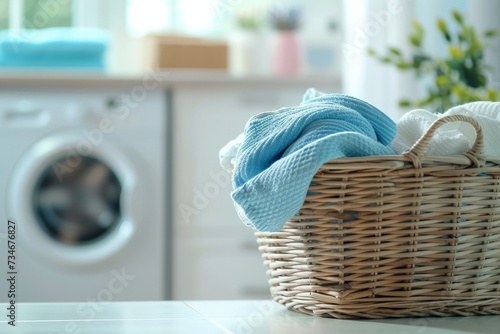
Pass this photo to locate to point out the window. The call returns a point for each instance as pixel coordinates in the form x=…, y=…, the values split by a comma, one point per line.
x=197, y=17
x=205, y=18
x=202, y=18
x=148, y=16
x=4, y=14
x=35, y=14
x=39, y=14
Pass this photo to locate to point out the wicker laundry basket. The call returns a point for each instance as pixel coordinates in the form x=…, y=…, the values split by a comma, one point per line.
x=393, y=236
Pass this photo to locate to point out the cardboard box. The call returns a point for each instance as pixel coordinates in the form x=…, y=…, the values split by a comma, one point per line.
x=185, y=52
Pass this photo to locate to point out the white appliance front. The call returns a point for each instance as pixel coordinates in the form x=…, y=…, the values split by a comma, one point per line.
x=88, y=201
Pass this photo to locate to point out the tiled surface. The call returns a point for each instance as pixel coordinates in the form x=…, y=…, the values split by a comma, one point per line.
x=248, y=317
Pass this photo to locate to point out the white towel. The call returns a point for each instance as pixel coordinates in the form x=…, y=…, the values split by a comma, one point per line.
x=448, y=140
x=487, y=114
x=227, y=154
x=452, y=138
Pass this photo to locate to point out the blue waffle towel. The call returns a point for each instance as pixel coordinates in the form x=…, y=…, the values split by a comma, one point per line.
x=283, y=150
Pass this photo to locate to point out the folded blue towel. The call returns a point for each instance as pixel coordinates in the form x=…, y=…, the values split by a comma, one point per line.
x=54, y=47
x=283, y=150
x=96, y=64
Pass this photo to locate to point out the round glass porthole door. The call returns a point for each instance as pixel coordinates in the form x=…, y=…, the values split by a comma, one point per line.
x=80, y=205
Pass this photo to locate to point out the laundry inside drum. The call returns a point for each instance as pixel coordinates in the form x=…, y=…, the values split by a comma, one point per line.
x=77, y=203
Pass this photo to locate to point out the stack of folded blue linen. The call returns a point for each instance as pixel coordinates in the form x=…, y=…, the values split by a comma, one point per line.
x=54, y=47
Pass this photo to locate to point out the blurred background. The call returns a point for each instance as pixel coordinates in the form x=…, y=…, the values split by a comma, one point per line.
x=328, y=38
x=112, y=114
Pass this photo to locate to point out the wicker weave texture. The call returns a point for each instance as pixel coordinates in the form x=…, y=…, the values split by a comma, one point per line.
x=393, y=237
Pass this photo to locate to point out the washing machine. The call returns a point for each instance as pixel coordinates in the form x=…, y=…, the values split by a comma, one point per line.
x=83, y=180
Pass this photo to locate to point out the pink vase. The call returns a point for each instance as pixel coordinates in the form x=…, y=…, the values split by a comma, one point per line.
x=286, y=53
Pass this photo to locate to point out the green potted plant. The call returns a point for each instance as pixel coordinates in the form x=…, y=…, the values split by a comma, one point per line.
x=249, y=20
x=459, y=77
x=247, y=44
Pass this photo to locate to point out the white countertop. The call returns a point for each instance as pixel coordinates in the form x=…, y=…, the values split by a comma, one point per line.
x=168, y=78
x=206, y=317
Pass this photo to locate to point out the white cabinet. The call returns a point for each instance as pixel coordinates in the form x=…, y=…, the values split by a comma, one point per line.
x=215, y=256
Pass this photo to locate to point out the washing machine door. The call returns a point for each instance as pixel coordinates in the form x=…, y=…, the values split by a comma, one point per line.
x=79, y=205
x=70, y=199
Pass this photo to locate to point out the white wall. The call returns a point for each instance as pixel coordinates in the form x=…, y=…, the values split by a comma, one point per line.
x=376, y=24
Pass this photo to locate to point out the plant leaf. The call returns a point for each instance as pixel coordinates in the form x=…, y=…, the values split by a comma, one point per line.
x=457, y=16
x=418, y=28
x=405, y=103
x=444, y=29
x=442, y=80
x=492, y=94
x=491, y=33
x=395, y=51
x=455, y=52
x=404, y=66
x=415, y=41
x=442, y=25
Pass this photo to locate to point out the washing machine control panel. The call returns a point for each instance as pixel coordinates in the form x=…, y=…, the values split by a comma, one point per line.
x=36, y=108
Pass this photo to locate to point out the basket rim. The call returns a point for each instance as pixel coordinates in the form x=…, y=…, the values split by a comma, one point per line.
x=400, y=160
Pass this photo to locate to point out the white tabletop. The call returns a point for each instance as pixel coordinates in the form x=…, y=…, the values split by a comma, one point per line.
x=206, y=317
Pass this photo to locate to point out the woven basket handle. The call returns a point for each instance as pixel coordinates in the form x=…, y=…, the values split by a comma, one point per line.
x=419, y=149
